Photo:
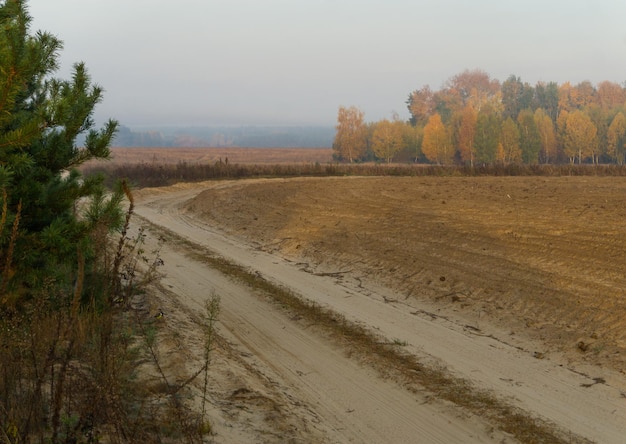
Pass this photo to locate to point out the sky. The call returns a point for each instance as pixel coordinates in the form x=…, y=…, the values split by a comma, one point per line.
x=294, y=62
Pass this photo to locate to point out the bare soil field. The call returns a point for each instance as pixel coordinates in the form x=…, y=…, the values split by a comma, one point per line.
x=541, y=257
x=212, y=155
x=514, y=284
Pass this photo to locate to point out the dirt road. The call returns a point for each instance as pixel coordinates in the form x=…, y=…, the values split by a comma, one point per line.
x=329, y=397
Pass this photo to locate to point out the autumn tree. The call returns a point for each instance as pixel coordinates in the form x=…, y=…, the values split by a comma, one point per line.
x=421, y=105
x=473, y=87
x=576, y=97
x=586, y=94
x=351, y=138
x=447, y=102
x=472, y=101
x=510, y=142
x=568, y=97
x=466, y=133
x=617, y=138
x=610, y=95
x=436, y=144
x=387, y=139
x=561, y=126
x=547, y=136
x=412, y=137
x=579, y=136
x=601, y=120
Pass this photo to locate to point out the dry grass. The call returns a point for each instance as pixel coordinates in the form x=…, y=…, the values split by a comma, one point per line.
x=125, y=156
x=74, y=370
x=153, y=167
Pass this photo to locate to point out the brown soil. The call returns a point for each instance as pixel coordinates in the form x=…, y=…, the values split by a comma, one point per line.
x=542, y=257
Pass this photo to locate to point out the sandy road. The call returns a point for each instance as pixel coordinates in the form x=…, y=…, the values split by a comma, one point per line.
x=340, y=401
x=354, y=404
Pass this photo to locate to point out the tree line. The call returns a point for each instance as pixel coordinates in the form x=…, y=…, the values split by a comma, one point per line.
x=474, y=119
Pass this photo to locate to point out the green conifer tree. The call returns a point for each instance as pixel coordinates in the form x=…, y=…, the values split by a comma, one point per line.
x=40, y=120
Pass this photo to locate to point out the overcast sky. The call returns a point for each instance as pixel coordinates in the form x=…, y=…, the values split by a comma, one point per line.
x=294, y=62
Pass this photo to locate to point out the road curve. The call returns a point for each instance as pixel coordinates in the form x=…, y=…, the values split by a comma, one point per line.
x=356, y=404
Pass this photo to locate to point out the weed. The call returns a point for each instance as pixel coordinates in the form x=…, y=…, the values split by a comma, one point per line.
x=70, y=355
x=212, y=309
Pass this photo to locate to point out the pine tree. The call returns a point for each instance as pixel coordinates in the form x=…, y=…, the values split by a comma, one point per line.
x=40, y=120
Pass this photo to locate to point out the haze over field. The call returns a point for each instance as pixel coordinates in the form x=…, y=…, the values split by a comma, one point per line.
x=279, y=62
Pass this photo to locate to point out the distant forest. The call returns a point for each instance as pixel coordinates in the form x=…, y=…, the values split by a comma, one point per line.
x=474, y=120
x=244, y=136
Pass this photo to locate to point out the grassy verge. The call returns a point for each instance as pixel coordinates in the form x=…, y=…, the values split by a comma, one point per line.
x=386, y=356
x=79, y=360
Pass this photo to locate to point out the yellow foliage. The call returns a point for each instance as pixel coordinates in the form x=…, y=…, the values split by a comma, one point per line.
x=436, y=145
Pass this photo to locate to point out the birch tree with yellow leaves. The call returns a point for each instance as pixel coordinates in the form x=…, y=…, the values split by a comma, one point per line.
x=436, y=145
x=579, y=136
x=617, y=138
x=351, y=137
x=387, y=139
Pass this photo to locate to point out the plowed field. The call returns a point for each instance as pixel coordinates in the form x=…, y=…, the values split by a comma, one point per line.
x=542, y=258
